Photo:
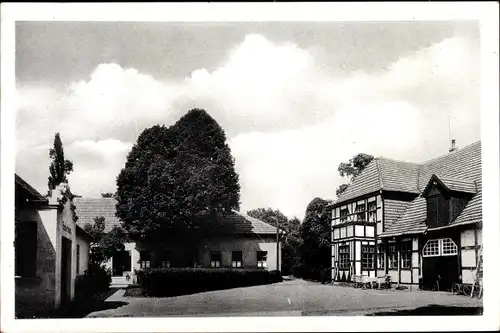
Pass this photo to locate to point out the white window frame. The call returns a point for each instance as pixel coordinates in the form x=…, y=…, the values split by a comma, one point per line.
x=236, y=263
x=262, y=263
x=441, y=242
x=433, y=254
x=453, y=246
x=215, y=263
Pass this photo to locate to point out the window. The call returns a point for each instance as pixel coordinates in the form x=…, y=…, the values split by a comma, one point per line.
x=392, y=256
x=367, y=257
x=236, y=259
x=166, y=258
x=343, y=215
x=361, y=212
x=372, y=211
x=262, y=259
x=431, y=248
x=77, y=259
x=440, y=247
x=145, y=259
x=380, y=256
x=25, y=248
x=344, y=257
x=215, y=259
x=406, y=254
x=449, y=247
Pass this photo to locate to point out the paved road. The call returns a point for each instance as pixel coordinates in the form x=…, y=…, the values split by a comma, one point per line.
x=288, y=298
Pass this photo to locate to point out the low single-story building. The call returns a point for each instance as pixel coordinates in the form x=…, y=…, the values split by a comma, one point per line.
x=243, y=242
x=50, y=249
x=419, y=223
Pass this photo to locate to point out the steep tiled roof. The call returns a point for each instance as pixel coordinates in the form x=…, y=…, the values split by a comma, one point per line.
x=383, y=174
x=89, y=208
x=459, y=185
x=472, y=213
x=459, y=171
x=393, y=209
x=412, y=220
x=366, y=182
x=463, y=164
x=237, y=223
x=398, y=175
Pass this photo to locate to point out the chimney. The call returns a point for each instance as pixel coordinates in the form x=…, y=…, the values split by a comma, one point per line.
x=453, y=147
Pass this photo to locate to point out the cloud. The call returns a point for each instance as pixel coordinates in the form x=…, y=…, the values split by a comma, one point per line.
x=289, y=122
x=96, y=165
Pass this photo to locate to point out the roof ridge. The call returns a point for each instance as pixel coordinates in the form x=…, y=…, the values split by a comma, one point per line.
x=469, y=146
x=381, y=182
x=419, y=171
x=395, y=160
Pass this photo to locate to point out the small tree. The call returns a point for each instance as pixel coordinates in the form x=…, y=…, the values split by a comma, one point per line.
x=103, y=245
x=59, y=168
x=315, y=248
x=352, y=169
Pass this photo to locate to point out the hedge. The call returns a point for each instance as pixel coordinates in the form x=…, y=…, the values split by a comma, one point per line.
x=179, y=281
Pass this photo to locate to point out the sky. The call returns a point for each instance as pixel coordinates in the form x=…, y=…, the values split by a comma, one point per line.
x=294, y=98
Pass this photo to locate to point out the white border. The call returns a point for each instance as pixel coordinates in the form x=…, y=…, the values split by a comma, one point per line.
x=485, y=12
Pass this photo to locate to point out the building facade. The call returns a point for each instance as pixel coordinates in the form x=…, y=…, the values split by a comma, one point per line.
x=50, y=249
x=419, y=223
x=241, y=242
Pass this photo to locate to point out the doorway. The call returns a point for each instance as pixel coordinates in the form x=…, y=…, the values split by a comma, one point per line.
x=440, y=265
x=439, y=273
x=65, y=271
x=121, y=263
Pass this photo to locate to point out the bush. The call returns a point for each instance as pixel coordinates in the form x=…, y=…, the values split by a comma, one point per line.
x=95, y=280
x=178, y=281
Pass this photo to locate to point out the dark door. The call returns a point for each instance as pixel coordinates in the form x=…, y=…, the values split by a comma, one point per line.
x=121, y=263
x=65, y=270
x=439, y=273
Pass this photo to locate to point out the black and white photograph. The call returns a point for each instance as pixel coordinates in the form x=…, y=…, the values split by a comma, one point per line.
x=203, y=166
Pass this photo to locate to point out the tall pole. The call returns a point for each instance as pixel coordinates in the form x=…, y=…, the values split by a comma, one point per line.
x=278, y=245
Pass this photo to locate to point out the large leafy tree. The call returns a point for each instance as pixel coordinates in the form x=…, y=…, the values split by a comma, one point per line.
x=315, y=248
x=177, y=180
x=352, y=169
x=103, y=245
x=290, y=240
x=59, y=168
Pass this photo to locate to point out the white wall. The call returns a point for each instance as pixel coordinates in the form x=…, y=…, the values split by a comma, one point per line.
x=84, y=254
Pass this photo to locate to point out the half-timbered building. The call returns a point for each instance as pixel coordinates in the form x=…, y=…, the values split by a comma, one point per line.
x=419, y=223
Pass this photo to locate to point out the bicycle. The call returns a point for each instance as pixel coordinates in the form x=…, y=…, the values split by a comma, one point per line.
x=461, y=289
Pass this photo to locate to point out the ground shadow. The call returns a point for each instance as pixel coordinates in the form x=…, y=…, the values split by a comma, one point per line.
x=77, y=309
x=434, y=310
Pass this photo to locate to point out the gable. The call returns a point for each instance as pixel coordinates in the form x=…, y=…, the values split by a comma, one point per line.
x=458, y=175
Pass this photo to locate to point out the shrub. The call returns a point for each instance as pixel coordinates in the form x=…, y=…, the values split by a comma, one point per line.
x=178, y=281
x=95, y=280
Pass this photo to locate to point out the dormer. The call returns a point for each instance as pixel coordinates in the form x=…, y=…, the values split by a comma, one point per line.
x=446, y=198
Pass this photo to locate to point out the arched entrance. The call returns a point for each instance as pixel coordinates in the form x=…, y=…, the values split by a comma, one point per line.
x=440, y=264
